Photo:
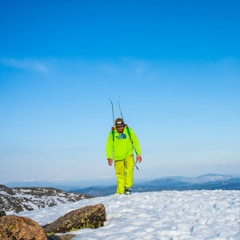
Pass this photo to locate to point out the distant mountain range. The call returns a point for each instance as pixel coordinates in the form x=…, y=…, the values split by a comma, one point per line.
x=61, y=184
x=204, y=182
x=107, y=187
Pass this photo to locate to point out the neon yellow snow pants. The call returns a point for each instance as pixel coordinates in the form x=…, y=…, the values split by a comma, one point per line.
x=124, y=173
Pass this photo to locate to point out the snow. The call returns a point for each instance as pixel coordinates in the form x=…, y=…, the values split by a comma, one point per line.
x=158, y=215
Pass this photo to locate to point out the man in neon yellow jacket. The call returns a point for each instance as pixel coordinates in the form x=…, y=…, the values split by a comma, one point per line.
x=121, y=143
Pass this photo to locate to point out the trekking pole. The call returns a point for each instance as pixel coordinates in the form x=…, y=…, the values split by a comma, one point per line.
x=135, y=163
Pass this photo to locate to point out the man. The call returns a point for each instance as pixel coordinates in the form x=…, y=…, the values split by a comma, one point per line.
x=121, y=143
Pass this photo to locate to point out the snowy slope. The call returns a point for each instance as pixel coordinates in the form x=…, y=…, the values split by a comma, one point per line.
x=158, y=215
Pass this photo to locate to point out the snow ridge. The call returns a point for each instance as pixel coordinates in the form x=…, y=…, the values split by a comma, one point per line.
x=158, y=215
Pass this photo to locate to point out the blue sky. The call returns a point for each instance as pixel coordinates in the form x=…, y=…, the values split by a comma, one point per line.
x=174, y=64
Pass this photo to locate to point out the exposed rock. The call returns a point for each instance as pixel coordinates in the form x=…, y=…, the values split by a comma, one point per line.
x=6, y=189
x=87, y=217
x=2, y=213
x=21, y=199
x=62, y=237
x=14, y=227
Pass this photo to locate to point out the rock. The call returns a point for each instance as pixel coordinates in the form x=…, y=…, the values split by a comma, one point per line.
x=21, y=199
x=62, y=237
x=87, y=217
x=9, y=191
x=14, y=227
x=2, y=213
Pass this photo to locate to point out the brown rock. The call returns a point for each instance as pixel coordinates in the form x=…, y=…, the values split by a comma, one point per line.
x=87, y=217
x=62, y=237
x=20, y=228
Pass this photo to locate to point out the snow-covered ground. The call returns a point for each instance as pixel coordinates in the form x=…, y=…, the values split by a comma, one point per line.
x=158, y=215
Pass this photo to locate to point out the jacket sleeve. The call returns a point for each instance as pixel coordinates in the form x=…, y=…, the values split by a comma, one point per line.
x=136, y=142
x=109, y=146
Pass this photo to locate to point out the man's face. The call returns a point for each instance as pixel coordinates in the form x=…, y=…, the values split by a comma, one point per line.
x=120, y=129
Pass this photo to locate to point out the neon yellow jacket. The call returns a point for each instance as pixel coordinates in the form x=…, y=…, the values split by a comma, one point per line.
x=122, y=146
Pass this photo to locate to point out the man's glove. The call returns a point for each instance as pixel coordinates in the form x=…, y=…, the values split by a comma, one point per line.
x=110, y=161
x=139, y=159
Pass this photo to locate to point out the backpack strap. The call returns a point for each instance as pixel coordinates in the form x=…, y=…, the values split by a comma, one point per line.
x=128, y=131
x=113, y=133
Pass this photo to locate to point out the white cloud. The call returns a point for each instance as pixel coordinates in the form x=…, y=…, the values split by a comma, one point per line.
x=25, y=64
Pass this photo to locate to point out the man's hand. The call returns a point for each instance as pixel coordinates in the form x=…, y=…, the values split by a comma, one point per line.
x=139, y=159
x=110, y=161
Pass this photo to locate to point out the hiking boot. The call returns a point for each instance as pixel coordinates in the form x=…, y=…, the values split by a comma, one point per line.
x=128, y=191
